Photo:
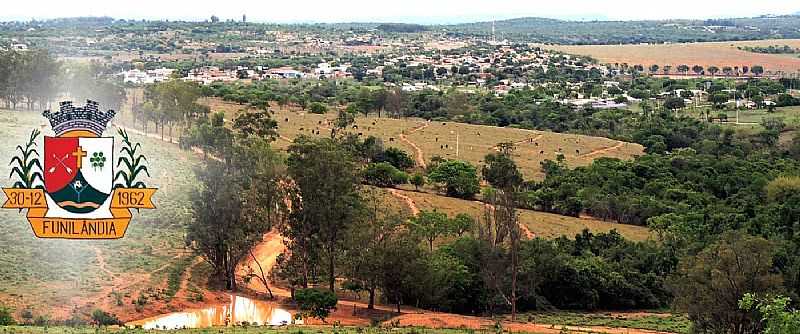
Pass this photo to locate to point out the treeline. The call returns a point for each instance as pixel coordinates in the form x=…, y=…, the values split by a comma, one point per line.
x=167, y=105
x=772, y=49
x=532, y=29
x=34, y=79
x=401, y=27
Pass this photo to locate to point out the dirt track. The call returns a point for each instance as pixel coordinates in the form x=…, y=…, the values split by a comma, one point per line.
x=268, y=250
x=410, y=202
x=419, y=155
x=604, y=150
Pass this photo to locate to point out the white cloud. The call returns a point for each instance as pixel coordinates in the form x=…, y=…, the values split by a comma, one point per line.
x=427, y=11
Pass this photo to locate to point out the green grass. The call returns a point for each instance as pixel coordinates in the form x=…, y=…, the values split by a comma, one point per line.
x=543, y=224
x=790, y=115
x=175, y=275
x=651, y=321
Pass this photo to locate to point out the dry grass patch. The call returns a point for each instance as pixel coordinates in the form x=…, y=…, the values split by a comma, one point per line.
x=705, y=54
x=439, y=138
x=546, y=225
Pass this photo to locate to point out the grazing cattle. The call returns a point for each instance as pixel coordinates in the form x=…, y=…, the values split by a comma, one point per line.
x=559, y=149
x=360, y=134
x=577, y=151
x=286, y=120
x=301, y=129
x=391, y=139
x=441, y=147
x=446, y=146
x=319, y=122
x=541, y=152
x=373, y=123
x=443, y=123
x=535, y=143
x=437, y=139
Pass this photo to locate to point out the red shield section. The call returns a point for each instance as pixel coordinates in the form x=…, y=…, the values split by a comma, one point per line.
x=60, y=164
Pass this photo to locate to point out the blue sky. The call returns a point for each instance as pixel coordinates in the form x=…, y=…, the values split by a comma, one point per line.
x=418, y=11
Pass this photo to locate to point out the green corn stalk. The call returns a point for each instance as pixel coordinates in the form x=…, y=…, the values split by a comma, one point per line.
x=28, y=168
x=133, y=164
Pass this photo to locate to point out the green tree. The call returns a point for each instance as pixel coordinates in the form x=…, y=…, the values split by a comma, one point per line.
x=256, y=123
x=462, y=223
x=327, y=180
x=315, y=303
x=719, y=99
x=318, y=108
x=102, y=318
x=459, y=178
x=241, y=198
x=502, y=173
x=367, y=243
x=500, y=170
x=709, y=285
x=6, y=316
x=775, y=314
x=396, y=157
x=418, y=179
x=431, y=225
x=383, y=174
x=674, y=103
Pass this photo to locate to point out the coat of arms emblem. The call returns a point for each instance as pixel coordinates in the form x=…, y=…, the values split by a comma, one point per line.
x=74, y=194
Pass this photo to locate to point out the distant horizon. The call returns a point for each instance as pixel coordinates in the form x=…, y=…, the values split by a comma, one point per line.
x=411, y=20
x=440, y=12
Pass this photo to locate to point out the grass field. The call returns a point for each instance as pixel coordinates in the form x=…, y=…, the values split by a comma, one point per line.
x=664, y=322
x=545, y=225
x=704, y=54
x=68, y=273
x=442, y=138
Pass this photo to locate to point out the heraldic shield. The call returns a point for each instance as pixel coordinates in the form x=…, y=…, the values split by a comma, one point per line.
x=78, y=172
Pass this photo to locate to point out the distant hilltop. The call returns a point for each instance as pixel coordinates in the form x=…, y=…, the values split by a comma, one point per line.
x=523, y=30
x=402, y=27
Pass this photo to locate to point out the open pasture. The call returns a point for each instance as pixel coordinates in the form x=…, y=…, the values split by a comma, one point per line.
x=429, y=139
x=704, y=54
x=542, y=224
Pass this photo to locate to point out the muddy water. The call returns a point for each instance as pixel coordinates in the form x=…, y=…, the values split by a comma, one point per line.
x=237, y=310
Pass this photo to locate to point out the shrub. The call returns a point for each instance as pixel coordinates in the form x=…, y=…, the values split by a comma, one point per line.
x=383, y=174
x=315, y=303
x=318, y=108
x=418, y=180
x=103, y=318
x=397, y=157
x=459, y=178
x=5, y=316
